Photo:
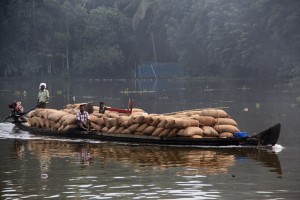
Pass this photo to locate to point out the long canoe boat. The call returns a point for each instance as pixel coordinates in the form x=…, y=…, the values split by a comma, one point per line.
x=268, y=137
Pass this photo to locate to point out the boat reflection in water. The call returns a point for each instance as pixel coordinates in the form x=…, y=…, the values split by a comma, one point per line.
x=198, y=161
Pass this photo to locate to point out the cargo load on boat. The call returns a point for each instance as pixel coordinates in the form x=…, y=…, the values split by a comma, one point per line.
x=197, y=123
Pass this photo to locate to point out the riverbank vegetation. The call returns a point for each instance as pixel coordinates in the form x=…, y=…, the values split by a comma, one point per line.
x=101, y=38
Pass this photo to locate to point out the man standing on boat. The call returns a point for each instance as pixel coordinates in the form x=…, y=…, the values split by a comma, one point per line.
x=82, y=118
x=43, y=96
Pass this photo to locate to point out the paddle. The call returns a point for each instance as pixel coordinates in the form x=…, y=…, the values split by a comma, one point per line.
x=20, y=114
x=6, y=119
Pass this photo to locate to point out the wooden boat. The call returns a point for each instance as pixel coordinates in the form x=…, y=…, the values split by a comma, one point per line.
x=268, y=137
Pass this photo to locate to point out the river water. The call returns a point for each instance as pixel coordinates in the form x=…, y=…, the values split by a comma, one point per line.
x=41, y=167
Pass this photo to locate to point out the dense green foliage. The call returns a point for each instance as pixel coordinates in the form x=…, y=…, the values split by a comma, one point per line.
x=108, y=38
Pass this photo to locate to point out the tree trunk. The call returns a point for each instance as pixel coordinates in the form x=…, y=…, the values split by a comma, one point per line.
x=153, y=46
x=67, y=48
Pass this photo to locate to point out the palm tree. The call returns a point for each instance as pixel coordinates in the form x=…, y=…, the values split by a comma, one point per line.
x=140, y=8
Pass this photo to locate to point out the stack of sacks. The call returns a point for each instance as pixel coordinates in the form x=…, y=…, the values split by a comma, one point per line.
x=214, y=122
x=52, y=119
x=191, y=123
x=140, y=123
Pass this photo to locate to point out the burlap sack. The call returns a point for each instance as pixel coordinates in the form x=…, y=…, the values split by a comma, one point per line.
x=96, y=120
x=112, y=129
x=125, y=124
x=155, y=121
x=170, y=123
x=209, y=131
x=157, y=131
x=173, y=132
x=104, y=129
x=190, y=131
x=196, y=136
x=180, y=132
x=133, y=127
x=216, y=113
x=63, y=118
x=165, y=132
x=48, y=112
x=105, y=119
x=179, y=116
x=138, y=119
x=205, y=120
x=197, y=112
x=112, y=115
x=61, y=128
x=96, y=126
x=182, y=113
x=113, y=122
x=226, y=121
x=99, y=115
x=57, y=125
x=137, y=110
x=162, y=123
x=96, y=109
x=26, y=124
x=226, y=128
x=69, y=119
x=119, y=130
x=70, y=111
x=31, y=114
x=149, y=130
x=47, y=124
x=38, y=112
x=39, y=122
x=189, y=113
x=30, y=121
x=56, y=116
x=148, y=119
x=122, y=119
x=126, y=131
x=141, y=128
x=51, y=125
x=226, y=135
x=73, y=106
x=130, y=121
x=184, y=123
x=107, y=123
x=43, y=114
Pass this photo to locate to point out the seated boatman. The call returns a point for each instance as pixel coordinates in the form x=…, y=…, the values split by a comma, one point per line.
x=82, y=118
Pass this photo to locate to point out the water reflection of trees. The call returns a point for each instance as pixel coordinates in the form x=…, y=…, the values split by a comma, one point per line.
x=192, y=160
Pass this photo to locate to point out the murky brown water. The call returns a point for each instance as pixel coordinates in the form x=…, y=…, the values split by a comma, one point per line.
x=37, y=168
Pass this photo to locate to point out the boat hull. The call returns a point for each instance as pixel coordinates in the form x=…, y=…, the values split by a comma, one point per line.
x=265, y=138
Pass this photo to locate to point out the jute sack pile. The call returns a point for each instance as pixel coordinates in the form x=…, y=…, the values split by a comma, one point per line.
x=214, y=122
x=197, y=123
x=52, y=119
